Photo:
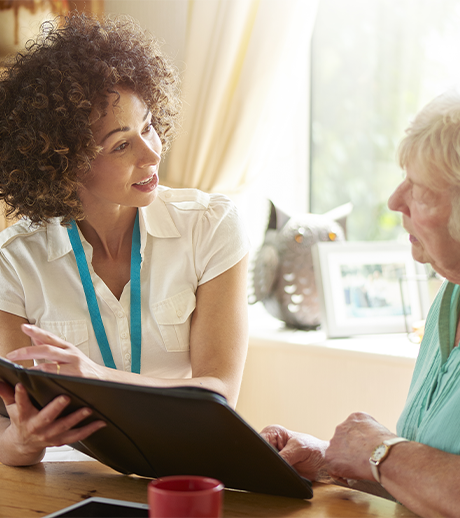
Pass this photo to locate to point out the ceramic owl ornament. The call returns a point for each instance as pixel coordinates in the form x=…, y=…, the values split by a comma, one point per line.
x=282, y=275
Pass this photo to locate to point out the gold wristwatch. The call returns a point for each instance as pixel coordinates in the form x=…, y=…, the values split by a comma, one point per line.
x=381, y=453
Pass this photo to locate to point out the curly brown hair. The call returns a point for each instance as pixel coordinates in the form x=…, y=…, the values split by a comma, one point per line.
x=47, y=95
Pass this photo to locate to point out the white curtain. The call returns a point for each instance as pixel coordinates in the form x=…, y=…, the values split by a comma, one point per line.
x=245, y=62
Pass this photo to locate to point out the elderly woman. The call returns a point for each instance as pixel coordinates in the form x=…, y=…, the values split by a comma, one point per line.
x=124, y=280
x=420, y=466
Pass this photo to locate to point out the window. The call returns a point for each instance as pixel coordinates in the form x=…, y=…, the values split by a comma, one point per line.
x=375, y=63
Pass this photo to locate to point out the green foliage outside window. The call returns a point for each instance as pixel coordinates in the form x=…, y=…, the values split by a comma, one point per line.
x=375, y=63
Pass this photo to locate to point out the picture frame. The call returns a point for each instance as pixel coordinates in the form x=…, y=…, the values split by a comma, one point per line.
x=369, y=287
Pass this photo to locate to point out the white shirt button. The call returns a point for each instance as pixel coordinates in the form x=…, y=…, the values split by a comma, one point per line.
x=179, y=313
x=168, y=194
x=127, y=357
x=124, y=335
x=120, y=314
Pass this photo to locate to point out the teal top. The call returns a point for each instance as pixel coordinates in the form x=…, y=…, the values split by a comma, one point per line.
x=432, y=412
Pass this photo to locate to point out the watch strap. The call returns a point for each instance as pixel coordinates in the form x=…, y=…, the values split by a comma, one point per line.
x=388, y=443
x=394, y=440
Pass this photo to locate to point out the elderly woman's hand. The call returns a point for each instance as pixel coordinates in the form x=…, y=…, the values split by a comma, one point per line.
x=354, y=441
x=303, y=452
x=65, y=358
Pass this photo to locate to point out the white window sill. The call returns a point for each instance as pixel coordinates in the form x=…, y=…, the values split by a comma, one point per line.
x=265, y=330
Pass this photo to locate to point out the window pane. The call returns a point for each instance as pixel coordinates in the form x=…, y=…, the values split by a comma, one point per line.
x=375, y=63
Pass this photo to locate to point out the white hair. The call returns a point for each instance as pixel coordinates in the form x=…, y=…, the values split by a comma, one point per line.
x=432, y=141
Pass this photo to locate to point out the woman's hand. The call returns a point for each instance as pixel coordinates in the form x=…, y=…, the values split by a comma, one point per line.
x=29, y=431
x=353, y=443
x=305, y=453
x=65, y=357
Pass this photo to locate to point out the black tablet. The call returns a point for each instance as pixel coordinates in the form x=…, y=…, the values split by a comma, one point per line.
x=157, y=432
x=96, y=507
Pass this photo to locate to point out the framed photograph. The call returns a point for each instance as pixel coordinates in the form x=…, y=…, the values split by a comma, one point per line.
x=369, y=287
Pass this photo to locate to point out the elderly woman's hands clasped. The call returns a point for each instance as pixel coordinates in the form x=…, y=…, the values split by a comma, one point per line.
x=354, y=440
x=303, y=452
x=345, y=456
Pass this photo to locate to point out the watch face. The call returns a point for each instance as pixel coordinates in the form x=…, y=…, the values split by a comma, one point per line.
x=379, y=452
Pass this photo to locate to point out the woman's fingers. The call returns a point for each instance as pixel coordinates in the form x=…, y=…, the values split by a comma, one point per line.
x=43, y=428
x=49, y=413
x=49, y=348
x=65, y=433
x=276, y=435
x=40, y=336
x=302, y=451
x=61, y=431
x=24, y=407
x=29, y=419
x=39, y=352
x=32, y=430
x=6, y=393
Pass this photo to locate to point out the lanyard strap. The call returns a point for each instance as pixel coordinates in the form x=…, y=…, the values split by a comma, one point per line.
x=91, y=300
x=135, y=311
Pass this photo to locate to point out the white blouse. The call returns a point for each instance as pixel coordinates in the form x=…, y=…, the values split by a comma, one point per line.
x=187, y=238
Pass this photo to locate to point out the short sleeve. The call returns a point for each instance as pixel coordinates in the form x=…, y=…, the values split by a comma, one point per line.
x=12, y=298
x=221, y=240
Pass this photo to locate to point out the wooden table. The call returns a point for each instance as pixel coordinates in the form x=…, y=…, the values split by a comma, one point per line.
x=39, y=490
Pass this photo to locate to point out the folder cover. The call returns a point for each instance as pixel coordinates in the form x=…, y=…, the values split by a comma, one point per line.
x=156, y=432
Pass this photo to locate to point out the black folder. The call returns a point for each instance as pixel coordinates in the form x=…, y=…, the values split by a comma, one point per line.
x=155, y=432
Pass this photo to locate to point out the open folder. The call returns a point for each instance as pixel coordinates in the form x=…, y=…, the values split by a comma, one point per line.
x=155, y=432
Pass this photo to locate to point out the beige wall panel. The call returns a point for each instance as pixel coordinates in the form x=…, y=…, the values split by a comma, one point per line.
x=312, y=388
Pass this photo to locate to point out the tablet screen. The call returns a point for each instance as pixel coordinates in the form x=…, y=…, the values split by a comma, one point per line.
x=103, y=507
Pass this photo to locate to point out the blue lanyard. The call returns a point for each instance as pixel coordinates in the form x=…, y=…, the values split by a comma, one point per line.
x=91, y=300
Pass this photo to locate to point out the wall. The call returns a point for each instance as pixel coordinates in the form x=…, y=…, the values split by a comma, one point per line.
x=312, y=388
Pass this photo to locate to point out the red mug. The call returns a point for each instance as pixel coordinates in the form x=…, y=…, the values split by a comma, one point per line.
x=185, y=496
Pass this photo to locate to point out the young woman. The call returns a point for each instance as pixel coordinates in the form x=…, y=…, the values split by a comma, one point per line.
x=107, y=274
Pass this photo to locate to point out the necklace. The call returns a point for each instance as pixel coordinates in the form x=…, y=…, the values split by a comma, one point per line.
x=91, y=300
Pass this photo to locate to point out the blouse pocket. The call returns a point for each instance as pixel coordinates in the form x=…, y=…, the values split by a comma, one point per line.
x=73, y=331
x=173, y=317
